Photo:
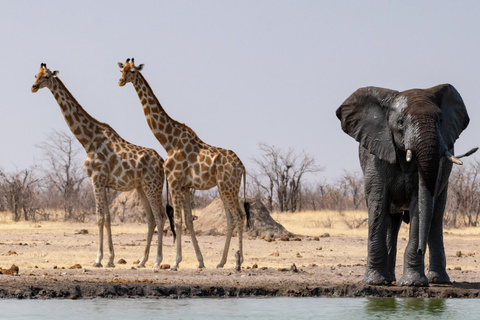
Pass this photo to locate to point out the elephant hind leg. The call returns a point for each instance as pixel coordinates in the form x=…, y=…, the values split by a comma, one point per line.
x=392, y=237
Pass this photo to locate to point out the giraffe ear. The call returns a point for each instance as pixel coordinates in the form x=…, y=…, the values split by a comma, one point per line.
x=120, y=65
x=140, y=67
x=55, y=73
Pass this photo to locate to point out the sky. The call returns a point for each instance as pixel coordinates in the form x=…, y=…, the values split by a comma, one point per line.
x=239, y=73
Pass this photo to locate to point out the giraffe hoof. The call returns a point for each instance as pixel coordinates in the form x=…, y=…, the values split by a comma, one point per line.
x=97, y=265
x=219, y=266
x=142, y=265
x=110, y=265
x=174, y=268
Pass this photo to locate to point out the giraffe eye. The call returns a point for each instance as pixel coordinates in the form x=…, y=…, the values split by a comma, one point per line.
x=46, y=77
x=132, y=72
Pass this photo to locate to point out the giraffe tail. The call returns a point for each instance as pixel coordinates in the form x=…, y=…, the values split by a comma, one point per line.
x=246, y=205
x=169, y=211
x=170, y=216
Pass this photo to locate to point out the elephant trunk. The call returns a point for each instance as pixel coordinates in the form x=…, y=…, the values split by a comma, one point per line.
x=425, y=211
x=428, y=151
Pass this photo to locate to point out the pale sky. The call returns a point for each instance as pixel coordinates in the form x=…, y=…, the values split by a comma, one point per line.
x=237, y=72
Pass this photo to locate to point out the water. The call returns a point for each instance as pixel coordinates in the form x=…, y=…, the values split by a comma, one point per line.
x=244, y=308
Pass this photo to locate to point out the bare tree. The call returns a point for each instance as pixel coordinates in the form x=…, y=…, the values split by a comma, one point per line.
x=19, y=191
x=63, y=171
x=280, y=175
x=353, y=184
x=463, y=203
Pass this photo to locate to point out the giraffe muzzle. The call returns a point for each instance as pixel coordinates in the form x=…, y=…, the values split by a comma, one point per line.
x=34, y=88
x=121, y=82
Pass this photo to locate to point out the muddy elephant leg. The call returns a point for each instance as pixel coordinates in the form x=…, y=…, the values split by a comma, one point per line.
x=413, y=265
x=437, y=261
x=377, y=272
x=394, y=224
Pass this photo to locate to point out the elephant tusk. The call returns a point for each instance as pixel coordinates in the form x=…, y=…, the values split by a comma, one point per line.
x=409, y=155
x=452, y=158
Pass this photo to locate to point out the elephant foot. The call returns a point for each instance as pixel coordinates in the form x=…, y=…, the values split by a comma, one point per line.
x=97, y=265
x=440, y=277
x=413, y=278
x=378, y=277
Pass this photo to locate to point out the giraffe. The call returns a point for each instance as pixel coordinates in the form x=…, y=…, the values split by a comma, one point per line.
x=112, y=162
x=191, y=164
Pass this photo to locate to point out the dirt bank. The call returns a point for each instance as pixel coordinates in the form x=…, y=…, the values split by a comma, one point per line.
x=330, y=265
x=307, y=282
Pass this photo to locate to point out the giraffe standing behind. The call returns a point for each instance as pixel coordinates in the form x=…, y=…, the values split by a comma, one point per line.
x=191, y=163
x=113, y=163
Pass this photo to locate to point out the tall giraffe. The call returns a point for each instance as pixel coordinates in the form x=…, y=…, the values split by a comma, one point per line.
x=113, y=163
x=191, y=164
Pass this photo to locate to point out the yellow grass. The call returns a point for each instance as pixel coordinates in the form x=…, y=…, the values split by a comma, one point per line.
x=47, y=244
x=316, y=223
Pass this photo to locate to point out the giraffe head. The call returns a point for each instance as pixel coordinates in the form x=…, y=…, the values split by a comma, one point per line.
x=43, y=78
x=129, y=71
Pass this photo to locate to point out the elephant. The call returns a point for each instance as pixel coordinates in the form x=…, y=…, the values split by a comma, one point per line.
x=406, y=144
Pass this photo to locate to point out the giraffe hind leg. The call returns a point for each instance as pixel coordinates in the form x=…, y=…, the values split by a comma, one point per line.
x=155, y=199
x=150, y=225
x=228, y=236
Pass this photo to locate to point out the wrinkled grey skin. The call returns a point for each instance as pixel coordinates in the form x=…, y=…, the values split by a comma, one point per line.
x=387, y=123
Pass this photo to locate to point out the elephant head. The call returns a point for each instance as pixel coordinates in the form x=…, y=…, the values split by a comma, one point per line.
x=420, y=125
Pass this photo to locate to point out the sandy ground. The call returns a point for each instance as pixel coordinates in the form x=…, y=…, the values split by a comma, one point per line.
x=313, y=265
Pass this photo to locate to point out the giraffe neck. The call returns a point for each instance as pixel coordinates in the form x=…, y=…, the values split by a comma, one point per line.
x=82, y=125
x=166, y=130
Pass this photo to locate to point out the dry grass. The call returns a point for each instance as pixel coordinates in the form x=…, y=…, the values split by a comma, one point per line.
x=315, y=223
x=49, y=244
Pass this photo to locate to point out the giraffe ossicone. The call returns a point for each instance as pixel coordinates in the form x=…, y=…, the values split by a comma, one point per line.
x=112, y=162
x=192, y=164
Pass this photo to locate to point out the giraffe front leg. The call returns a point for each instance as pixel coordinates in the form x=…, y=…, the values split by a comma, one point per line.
x=187, y=209
x=108, y=228
x=98, y=261
x=177, y=200
x=99, y=203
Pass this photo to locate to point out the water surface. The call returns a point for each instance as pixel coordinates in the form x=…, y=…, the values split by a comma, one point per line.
x=243, y=308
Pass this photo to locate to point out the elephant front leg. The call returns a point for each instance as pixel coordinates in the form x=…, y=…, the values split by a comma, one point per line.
x=437, y=272
x=377, y=272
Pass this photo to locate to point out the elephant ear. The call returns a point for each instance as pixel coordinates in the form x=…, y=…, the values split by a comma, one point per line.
x=364, y=117
x=454, y=113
